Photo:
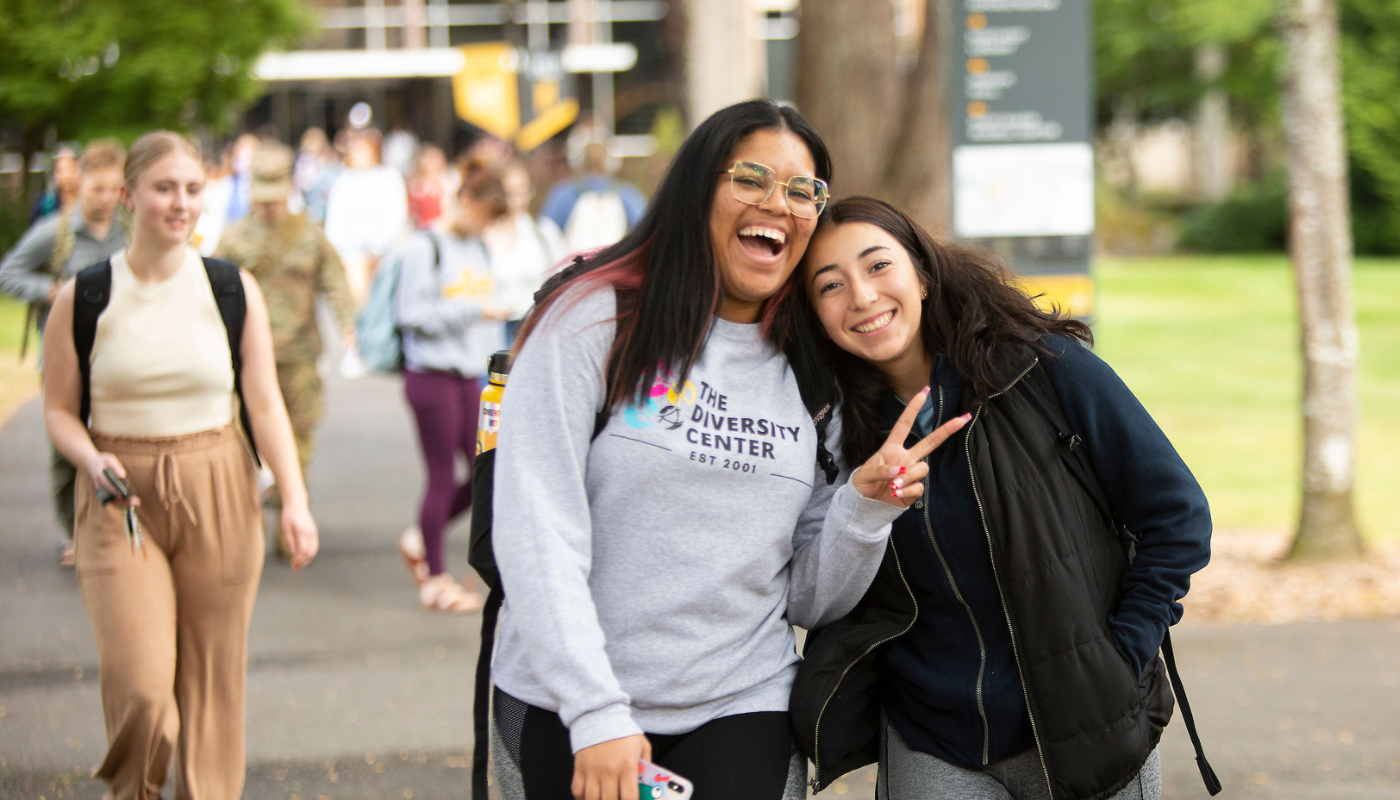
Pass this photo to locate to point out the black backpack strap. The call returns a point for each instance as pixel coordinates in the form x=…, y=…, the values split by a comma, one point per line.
x=822, y=419
x=1073, y=455
x=91, y=294
x=481, y=702
x=226, y=283
x=1207, y=774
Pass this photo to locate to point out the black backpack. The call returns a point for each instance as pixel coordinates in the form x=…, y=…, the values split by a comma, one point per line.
x=1076, y=460
x=482, y=558
x=93, y=291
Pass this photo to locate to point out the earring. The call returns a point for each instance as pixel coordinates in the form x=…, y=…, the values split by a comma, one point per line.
x=925, y=295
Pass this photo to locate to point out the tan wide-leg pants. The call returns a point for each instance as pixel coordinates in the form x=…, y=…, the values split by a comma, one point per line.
x=172, y=625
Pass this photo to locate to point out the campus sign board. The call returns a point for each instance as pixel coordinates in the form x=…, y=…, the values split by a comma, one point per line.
x=1023, y=159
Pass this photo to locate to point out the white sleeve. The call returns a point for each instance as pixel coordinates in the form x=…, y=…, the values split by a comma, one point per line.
x=542, y=530
x=838, y=545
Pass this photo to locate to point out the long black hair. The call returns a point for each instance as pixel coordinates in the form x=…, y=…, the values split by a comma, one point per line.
x=664, y=271
x=974, y=315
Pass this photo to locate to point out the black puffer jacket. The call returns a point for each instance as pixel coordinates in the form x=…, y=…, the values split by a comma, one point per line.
x=1059, y=566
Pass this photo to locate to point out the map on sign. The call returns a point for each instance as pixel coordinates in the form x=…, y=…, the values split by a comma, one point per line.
x=1024, y=190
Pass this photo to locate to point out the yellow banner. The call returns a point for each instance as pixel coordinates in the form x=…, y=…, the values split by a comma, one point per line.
x=1072, y=293
x=486, y=92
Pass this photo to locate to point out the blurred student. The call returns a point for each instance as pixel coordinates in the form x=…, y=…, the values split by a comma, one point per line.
x=62, y=191
x=367, y=207
x=171, y=610
x=595, y=209
x=52, y=251
x=294, y=264
x=429, y=189
x=451, y=324
x=524, y=250
x=318, y=164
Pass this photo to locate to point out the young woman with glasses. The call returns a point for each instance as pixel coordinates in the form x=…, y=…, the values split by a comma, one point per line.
x=1007, y=648
x=660, y=517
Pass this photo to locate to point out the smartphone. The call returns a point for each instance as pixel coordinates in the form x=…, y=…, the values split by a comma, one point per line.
x=123, y=488
x=659, y=783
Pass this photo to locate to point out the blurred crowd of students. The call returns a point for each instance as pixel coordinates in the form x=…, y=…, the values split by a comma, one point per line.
x=314, y=226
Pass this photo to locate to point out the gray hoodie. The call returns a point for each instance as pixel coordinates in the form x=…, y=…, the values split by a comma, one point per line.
x=440, y=305
x=653, y=574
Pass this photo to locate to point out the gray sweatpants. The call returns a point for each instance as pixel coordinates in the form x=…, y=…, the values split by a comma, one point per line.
x=907, y=774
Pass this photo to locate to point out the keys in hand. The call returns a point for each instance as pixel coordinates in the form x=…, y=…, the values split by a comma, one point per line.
x=133, y=531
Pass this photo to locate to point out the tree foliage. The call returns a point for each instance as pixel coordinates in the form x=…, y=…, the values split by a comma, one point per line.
x=1145, y=51
x=1145, y=61
x=102, y=67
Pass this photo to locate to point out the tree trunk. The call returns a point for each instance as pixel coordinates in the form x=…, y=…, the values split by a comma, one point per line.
x=1321, y=249
x=918, y=173
x=849, y=88
x=1211, y=159
x=31, y=142
x=724, y=56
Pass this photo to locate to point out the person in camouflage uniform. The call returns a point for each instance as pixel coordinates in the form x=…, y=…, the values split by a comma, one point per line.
x=293, y=264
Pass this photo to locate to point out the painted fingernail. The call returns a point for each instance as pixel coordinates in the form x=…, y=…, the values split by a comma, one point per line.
x=902, y=470
x=896, y=483
x=894, y=492
x=893, y=471
x=965, y=417
x=927, y=390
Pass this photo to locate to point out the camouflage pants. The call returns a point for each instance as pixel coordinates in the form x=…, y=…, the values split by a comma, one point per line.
x=63, y=477
x=306, y=403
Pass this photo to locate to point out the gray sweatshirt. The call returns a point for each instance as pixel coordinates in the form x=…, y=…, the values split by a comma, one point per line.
x=653, y=575
x=24, y=272
x=439, y=306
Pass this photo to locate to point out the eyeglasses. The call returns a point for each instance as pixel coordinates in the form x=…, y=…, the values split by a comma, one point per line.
x=754, y=183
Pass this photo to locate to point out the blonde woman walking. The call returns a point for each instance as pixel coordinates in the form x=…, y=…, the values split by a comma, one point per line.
x=143, y=358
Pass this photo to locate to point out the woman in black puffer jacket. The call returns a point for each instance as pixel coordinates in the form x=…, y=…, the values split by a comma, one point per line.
x=1008, y=646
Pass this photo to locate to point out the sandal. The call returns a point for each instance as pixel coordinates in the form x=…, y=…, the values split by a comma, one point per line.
x=415, y=555
x=67, y=555
x=444, y=593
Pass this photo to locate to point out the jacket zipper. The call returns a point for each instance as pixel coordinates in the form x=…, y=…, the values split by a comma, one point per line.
x=1035, y=729
x=976, y=629
x=981, y=645
x=817, y=730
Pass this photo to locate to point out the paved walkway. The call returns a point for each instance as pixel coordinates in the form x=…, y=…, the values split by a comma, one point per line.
x=354, y=692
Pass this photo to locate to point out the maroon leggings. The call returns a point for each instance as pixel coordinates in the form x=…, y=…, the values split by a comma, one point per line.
x=446, y=407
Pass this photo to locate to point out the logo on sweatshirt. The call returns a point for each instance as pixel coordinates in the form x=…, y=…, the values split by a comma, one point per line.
x=662, y=404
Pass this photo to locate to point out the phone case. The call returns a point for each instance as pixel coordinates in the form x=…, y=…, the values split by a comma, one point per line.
x=659, y=783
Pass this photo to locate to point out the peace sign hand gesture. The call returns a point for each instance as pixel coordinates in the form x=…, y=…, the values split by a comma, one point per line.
x=895, y=475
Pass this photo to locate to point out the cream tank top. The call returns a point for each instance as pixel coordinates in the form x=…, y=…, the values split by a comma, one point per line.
x=160, y=358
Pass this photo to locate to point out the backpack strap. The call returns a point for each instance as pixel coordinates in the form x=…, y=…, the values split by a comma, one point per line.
x=91, y=294
x=1073, y=455
x=825, y=459
x=481, y=701
x=227, y=285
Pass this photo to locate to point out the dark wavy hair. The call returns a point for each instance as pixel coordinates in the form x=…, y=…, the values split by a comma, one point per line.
x=664, y=271
x=974, y=315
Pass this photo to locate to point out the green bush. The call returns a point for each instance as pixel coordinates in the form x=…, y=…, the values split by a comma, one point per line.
x=14, y=220
x=1254, y=220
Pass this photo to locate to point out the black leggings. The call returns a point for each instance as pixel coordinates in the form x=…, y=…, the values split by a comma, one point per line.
x=740, y=757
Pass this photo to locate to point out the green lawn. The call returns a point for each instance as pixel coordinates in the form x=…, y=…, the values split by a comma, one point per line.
x=17, y=381
x=1210, y=346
